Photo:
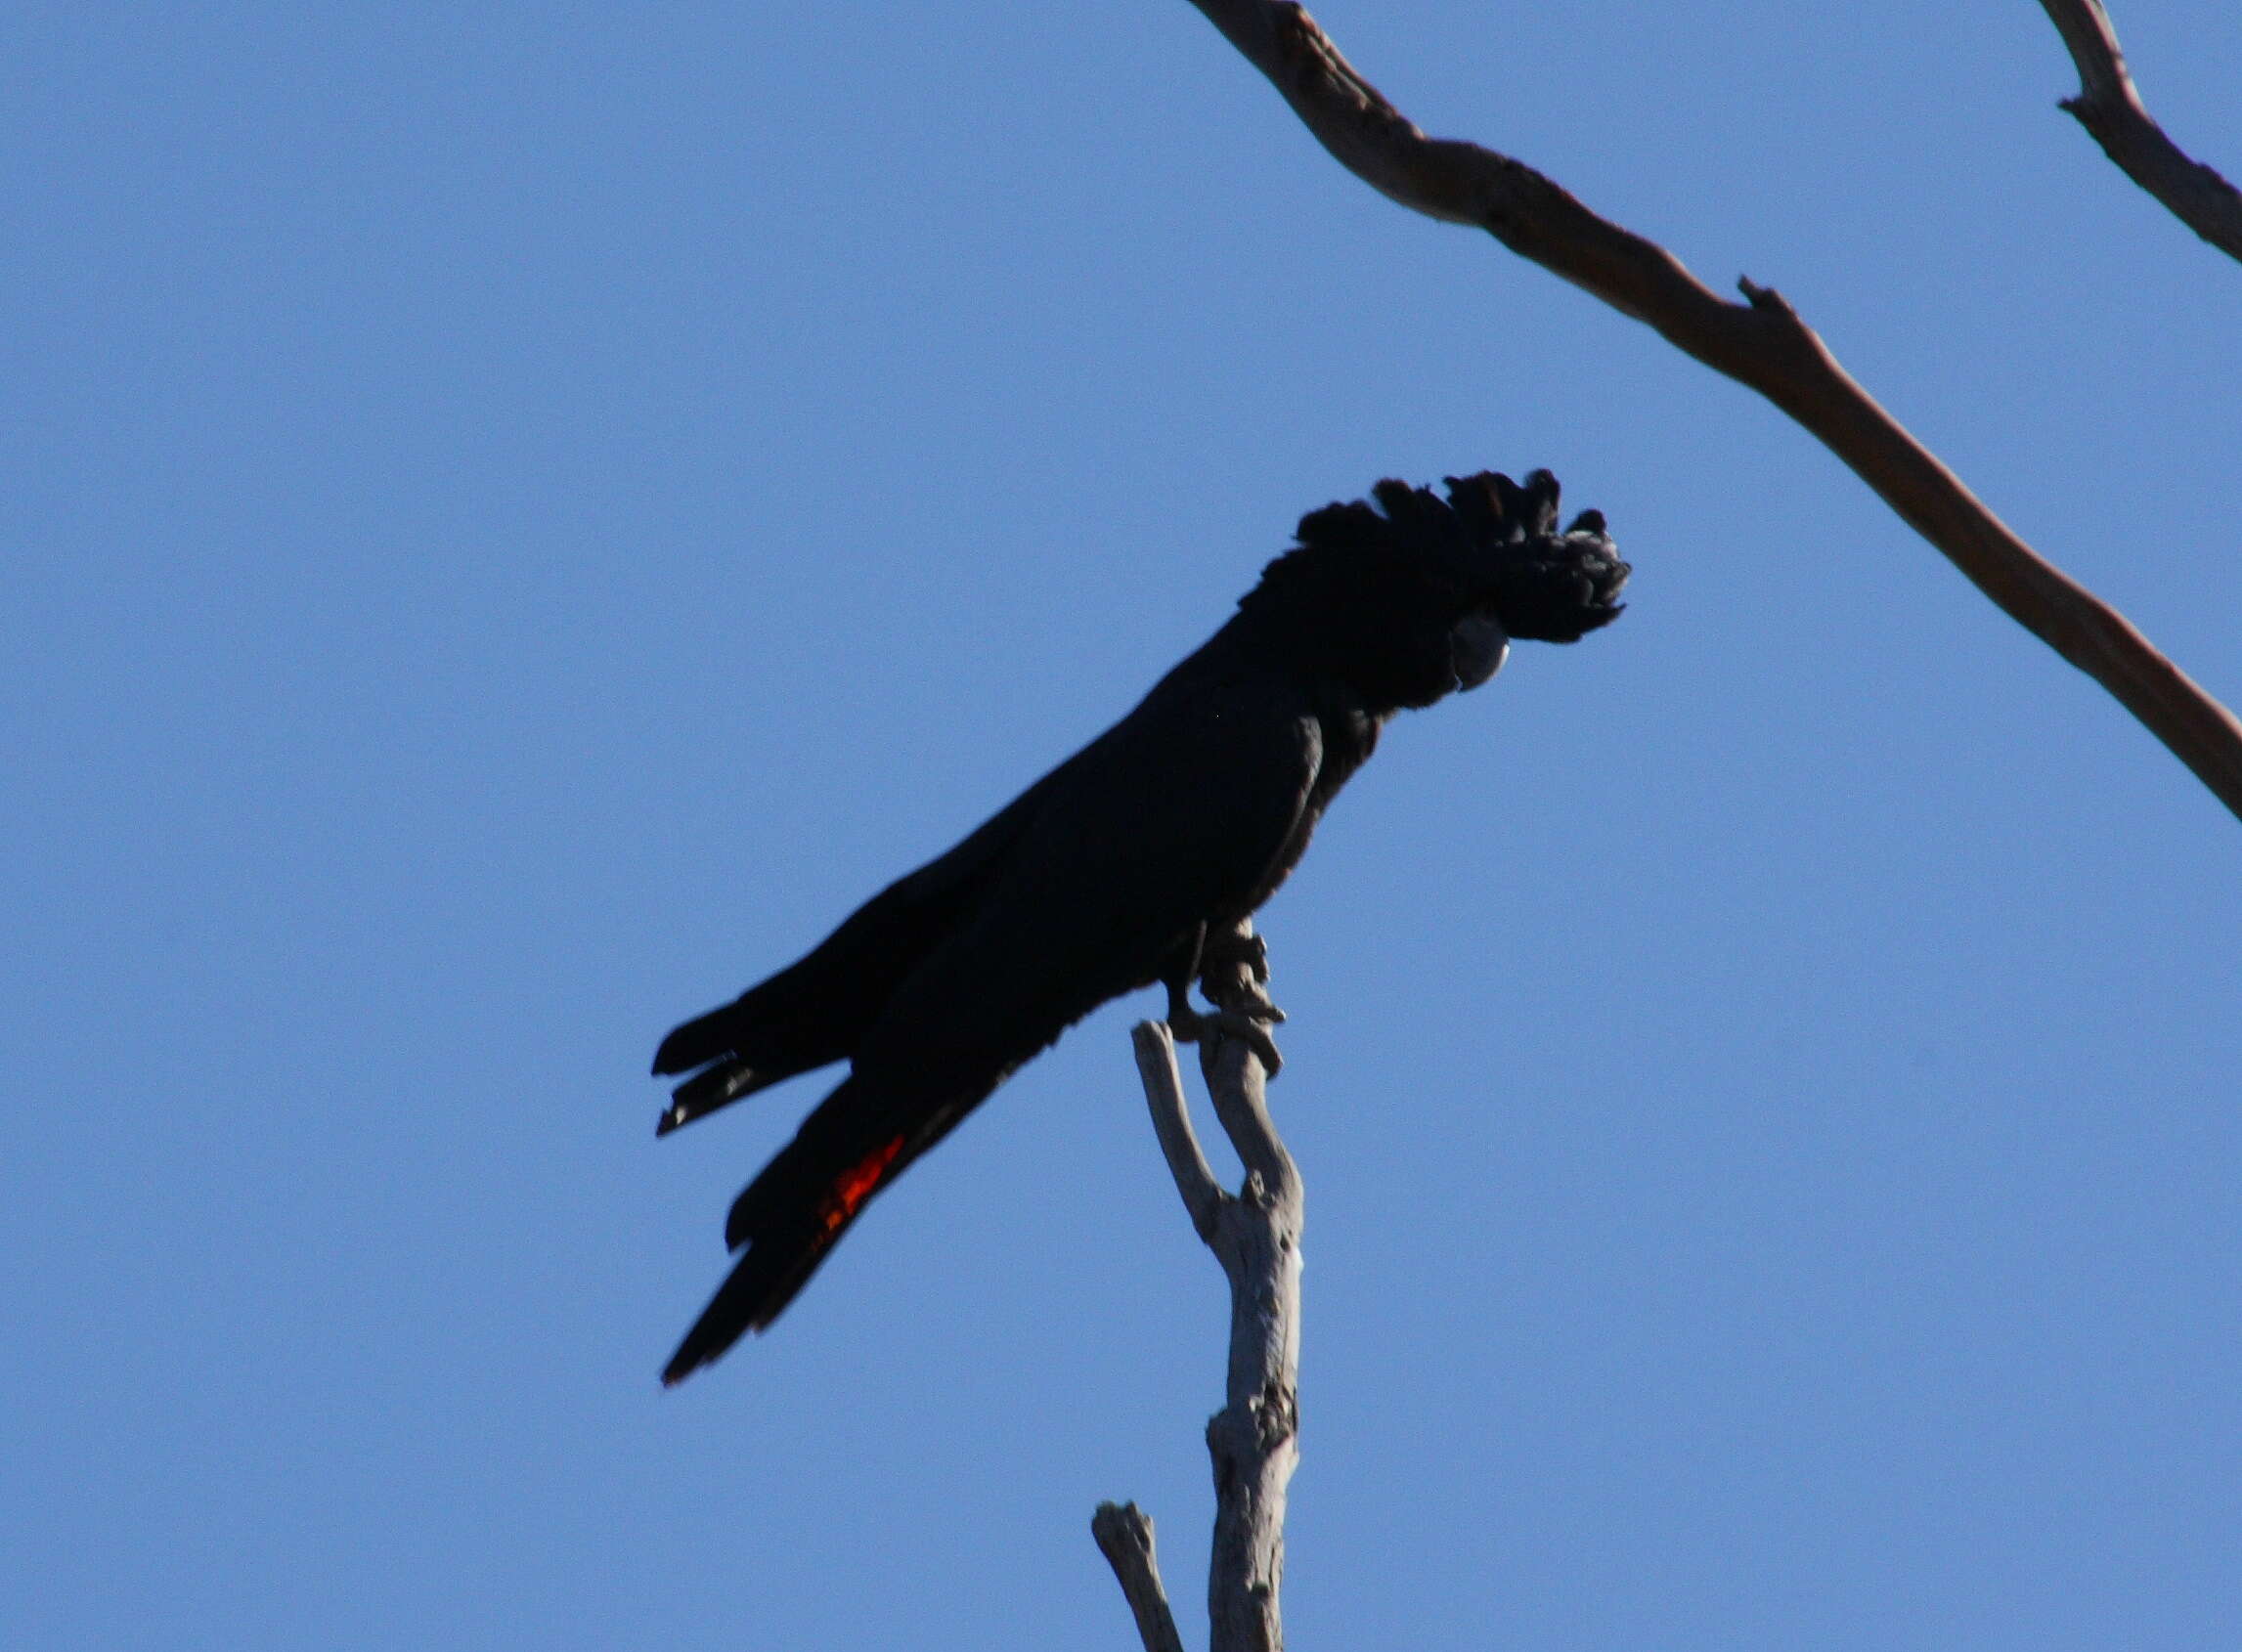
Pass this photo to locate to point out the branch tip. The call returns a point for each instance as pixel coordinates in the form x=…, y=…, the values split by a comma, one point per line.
x=1123, y=1533
x=2109, y=107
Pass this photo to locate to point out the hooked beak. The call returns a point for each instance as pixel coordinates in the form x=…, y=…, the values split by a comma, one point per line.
x=1476, y=648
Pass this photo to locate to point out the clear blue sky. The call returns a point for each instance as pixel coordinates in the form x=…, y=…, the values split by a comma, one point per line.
x=517, y=517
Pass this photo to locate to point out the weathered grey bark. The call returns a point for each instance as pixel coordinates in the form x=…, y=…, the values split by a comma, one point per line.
x=2109, y=107
x=1761, y=343
x=1123, y=1534
x=1255, y=1234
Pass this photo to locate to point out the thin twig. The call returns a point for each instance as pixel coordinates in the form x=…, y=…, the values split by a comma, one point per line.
x=1760, y=343
x=2109, y=107
x=1124, y=1535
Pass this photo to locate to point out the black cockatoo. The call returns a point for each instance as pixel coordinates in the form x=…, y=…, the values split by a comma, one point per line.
x=1110, y=872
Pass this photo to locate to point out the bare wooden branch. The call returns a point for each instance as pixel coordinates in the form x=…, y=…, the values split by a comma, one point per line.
x=2109, y=107
x=1124, y=1535
x=1255, y=1234
x=1253, y=1439
x=1761, y=343
x=1203, y=1194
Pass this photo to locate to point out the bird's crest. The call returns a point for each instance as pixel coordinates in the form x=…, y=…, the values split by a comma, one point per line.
x=1489, y=534
x=1482, y=515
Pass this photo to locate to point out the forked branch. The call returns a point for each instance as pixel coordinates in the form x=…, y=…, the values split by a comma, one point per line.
x=1760, y=342
x=2109, y=107
x=1254, y=1233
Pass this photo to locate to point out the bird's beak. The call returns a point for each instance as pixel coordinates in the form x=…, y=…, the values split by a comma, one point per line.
x=1476, y=648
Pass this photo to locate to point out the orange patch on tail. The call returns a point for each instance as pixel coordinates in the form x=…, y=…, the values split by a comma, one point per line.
x=855, y=1185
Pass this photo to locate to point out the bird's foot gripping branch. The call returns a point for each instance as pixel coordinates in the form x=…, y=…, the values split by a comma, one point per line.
x=1233, y=970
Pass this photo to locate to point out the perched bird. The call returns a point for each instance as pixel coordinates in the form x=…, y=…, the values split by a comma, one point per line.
x=1111, y=872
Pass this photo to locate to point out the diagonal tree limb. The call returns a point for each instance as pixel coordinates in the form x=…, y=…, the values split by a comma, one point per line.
x=2109, y=107
x=1760, y=343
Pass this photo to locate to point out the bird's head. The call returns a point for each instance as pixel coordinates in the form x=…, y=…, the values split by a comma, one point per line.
x=1413, y=597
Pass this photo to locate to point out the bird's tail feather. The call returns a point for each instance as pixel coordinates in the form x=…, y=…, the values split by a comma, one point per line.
x=706, y=1038
x=719, y=1085
x=767, y=1034
x=795, y=1210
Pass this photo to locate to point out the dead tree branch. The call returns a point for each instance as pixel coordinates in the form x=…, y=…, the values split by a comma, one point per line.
x=1761, y=343
x=2109, y=107
x=1254, y=1233
x=1124, y=1535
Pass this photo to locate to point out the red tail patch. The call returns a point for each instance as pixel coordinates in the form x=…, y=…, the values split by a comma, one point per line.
x=855, y=1185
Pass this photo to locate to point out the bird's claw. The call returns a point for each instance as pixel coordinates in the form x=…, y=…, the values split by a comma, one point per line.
x=1250, y=1027
x=1229, y=947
